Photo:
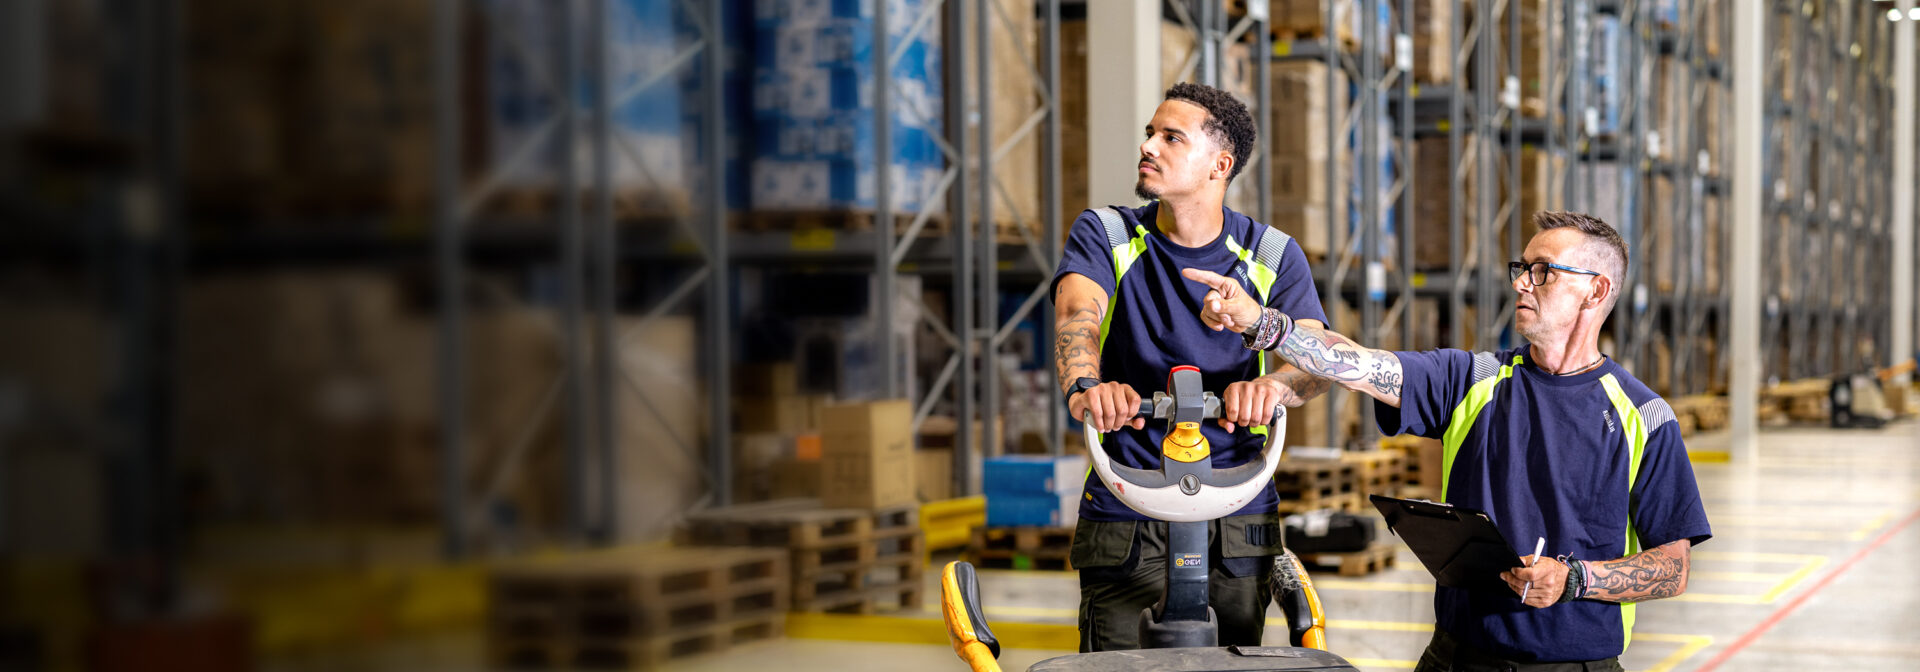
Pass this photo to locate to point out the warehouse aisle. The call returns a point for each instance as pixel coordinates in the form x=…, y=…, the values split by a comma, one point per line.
x=1808, y=569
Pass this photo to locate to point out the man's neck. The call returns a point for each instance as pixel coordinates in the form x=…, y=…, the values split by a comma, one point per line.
x=1580, y=350
x=1190, y=223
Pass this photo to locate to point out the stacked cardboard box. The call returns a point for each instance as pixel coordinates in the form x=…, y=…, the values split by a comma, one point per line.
x=1013, y=100
x=1301, y=148
x=1033, y=490
x=1667, y=110
x=1433, y=43
x=813, y=115
x=867, y=455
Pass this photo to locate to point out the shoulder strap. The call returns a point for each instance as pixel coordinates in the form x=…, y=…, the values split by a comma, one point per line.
x=1271, y=247
x=1116, y=227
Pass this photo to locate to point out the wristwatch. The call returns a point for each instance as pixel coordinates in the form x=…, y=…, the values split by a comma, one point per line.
x=1080, y=385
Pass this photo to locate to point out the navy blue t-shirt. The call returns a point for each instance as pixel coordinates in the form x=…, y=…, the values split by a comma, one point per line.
x=1550, y=456
x=1155, y=326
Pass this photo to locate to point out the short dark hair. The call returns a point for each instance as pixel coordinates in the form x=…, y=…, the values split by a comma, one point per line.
x=1228, y=121
x=1611, y=251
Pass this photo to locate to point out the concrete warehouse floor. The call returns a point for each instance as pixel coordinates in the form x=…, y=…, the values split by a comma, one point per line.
x=1810, y=568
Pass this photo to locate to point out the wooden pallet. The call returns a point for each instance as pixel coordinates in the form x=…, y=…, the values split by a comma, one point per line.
x=1378, y=472
x=791, y=523
x=906, y=596
x=840, y=581
x=1307, y=485
x=648, y=653
x=1042, y=548
x=896, y=544
x=1356, y=563
x=1351, y=502
x=795, y=523
x=635, y=594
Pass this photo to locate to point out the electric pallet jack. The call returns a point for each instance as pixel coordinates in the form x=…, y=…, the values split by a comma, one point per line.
x=1180, y=632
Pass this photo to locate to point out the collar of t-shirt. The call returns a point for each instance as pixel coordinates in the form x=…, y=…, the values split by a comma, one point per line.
x=1541, y=375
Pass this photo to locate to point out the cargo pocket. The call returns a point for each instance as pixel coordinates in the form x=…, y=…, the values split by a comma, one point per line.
x=1101, y=549
x=1247, y=543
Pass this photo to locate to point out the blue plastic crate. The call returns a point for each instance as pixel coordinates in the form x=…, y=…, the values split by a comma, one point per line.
x=1011, y=510
x=1034, y=475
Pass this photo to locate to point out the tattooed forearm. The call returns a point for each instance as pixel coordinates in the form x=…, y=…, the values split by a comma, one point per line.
x=1329, y=355
x=1076, y=348
x=1648, y=575
x=1303, y=386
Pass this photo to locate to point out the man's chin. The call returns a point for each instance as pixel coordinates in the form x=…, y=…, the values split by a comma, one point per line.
x=1145, y=192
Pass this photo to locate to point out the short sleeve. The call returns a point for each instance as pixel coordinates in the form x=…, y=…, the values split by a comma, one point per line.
x=1666, y=506
x=1433, y=383
x=1293, y=290
x=1086, y=253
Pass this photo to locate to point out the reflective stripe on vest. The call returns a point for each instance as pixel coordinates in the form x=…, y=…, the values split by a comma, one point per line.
x=1487, y=374
x=1638, y=423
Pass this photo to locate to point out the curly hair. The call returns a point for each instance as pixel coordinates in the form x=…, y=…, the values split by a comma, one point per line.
x=1228, y=122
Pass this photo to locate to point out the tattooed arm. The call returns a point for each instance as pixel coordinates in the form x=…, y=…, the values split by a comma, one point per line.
x=1079, y=305
x=1651, y=574
x=1325, y=354
x=1311, y=348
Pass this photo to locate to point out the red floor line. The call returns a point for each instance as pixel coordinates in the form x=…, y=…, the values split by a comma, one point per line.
x=1782, y=612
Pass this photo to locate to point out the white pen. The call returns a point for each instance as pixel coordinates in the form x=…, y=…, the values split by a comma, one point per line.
x=1537, y=547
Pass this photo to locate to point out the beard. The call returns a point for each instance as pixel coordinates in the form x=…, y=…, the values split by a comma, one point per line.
x=1145, y=192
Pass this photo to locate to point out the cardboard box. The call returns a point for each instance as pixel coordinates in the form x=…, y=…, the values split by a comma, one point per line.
x=1433, y=47
x=1307, y=425
x=1306, y=223
x=933, y=474
x=785, y=414
x=793, y=477
x=768, y=379
x=867, y=455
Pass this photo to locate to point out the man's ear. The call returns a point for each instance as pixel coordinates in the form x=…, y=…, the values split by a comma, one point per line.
x=1602, y=288
x=1222, y=165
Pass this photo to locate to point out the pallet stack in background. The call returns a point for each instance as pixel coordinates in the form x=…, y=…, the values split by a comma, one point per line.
x=633, y=609
x=842, y=560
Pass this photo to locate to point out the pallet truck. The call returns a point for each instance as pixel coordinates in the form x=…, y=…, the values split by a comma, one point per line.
x=1179, y=633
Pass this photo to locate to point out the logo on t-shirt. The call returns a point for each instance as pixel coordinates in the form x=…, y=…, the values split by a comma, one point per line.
x=1609, y=417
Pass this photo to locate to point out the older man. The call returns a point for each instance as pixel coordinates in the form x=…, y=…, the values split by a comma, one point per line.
x=1552, y=439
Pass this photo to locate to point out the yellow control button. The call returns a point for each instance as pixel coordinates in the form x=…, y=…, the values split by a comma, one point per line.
x=1185, y=443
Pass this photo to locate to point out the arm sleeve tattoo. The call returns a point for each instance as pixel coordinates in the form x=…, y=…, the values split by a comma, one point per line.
x=1328, y=355
x=1648, y=575
x=1076, y=345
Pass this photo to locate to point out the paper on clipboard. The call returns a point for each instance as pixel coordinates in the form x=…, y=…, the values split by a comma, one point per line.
x=1461, y=547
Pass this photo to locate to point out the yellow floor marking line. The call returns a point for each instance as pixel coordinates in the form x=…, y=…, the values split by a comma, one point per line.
x=1689, y=645
x=1795, y=578
x=1382, y=662
x=1709, y=456
x=1870, y=527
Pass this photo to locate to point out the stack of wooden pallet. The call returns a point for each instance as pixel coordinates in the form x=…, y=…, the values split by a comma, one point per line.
x=1021, y=548
x=1309, y=485
x=1377, y=472
x=843, y=560
x=633, y=609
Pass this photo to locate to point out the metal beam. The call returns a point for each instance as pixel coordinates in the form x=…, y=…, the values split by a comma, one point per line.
x=1747, y=157
x=1902, y=222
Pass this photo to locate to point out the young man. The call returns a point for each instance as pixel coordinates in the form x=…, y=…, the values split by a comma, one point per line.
x=1552, y=439
x=1125, y=318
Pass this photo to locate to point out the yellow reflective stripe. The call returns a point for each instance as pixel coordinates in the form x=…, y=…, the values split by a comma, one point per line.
x=1123, y=258
x=1464, y=414
x=1636, y=428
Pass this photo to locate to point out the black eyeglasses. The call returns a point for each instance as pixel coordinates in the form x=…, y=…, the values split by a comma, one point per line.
x=1537, y=271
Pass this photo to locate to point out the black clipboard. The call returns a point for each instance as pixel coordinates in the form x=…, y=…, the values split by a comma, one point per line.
x=1460, y=546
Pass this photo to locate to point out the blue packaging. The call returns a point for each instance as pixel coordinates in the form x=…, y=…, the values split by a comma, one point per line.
x=1012, y=510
